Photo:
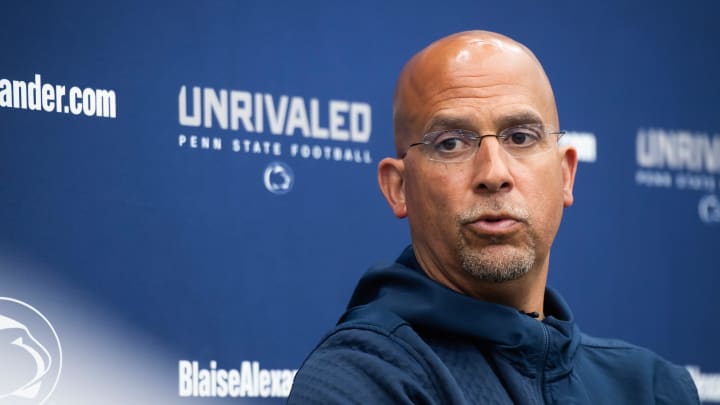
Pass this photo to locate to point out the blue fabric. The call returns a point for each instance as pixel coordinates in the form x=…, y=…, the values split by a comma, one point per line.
x=406, y=339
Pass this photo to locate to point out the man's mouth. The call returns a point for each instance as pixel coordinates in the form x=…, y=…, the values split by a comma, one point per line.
x=495, y=224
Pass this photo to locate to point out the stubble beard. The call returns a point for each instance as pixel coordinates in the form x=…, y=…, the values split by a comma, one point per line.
x=509, y=261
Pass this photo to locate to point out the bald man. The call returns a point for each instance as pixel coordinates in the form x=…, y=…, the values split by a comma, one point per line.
x=464, y=315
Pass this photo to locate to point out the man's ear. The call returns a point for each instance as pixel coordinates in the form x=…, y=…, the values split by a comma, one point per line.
x=391, y=177
x=569, y=168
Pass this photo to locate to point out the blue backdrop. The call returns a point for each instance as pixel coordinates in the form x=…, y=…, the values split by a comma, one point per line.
x=196, y=182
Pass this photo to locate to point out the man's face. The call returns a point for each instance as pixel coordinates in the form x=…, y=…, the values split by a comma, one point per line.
x=494, y=216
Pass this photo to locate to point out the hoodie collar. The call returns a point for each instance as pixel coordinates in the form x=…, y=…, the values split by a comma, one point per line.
x=404, y=289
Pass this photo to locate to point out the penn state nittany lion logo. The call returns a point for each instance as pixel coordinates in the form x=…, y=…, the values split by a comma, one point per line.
x=278, y=178
x=30, y=354
x=709, y=209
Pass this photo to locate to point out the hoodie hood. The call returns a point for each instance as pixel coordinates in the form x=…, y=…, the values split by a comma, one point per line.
x=532, y=346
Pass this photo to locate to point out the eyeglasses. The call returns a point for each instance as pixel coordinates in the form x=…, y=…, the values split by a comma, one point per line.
x=459, y=145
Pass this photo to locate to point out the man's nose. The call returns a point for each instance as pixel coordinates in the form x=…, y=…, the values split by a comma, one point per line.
x=490, y=164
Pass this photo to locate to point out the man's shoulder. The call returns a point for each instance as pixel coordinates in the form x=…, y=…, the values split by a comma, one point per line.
x=620, y=352
x=603, y=360
x=371, y=356
x=612, y=347
x=367, y=330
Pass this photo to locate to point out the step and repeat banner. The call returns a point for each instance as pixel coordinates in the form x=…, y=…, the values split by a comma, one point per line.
x=188, y=189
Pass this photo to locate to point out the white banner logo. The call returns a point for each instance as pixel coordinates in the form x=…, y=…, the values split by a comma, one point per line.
x=278, y=178
x=31, y=354
x=681, y=160
x=264, y=124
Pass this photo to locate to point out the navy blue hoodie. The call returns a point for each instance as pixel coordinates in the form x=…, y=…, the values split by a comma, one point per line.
x=406, y=339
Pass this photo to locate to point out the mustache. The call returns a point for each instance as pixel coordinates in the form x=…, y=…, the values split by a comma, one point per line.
x=493, y=208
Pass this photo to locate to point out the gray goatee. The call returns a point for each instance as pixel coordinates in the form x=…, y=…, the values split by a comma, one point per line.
x=496, y=267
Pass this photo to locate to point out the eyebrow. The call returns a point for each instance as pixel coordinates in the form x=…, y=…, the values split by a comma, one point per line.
x=460, y=122
x=521, y=118
x=449, y=122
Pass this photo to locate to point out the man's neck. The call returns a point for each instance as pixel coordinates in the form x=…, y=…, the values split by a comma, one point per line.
x=526, y=294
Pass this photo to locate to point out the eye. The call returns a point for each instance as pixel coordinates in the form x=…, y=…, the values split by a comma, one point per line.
x=521, y=137
x=451, y=142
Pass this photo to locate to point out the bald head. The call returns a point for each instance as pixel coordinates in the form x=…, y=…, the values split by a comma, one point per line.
x=472, y=65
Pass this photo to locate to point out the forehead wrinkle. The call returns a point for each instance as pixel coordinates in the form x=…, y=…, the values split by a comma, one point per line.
x=449, y=122
x=477, y=98
x=481, y=97
x=460, y=91
x=461, y=121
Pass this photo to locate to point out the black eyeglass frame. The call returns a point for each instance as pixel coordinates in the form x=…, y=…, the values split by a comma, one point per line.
x=429, y=138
